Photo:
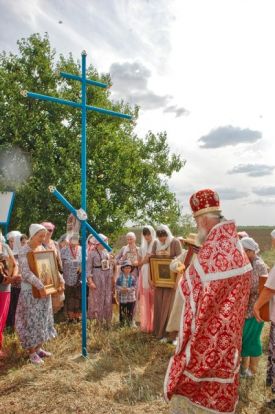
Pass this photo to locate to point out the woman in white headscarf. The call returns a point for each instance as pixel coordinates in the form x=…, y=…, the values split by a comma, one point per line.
x=146, y=289
x=251, y=341
x=34, y=317
x=90, y=244
x=165, y=245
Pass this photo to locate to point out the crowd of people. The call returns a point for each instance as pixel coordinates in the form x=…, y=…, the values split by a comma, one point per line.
x=213, y=314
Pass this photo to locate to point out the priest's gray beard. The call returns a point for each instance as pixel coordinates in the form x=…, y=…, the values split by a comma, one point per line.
x=201, y=235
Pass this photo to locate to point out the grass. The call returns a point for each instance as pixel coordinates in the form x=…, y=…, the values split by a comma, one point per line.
x=123, y=375
x=124, y=372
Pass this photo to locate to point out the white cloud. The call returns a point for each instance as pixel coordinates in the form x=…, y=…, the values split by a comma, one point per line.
x=229, y=135
x=253, y=170
x=264, y=191
x=130, y=81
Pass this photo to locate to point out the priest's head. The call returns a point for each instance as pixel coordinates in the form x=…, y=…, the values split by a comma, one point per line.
x=205, y=205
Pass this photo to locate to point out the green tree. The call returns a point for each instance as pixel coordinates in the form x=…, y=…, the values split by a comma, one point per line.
x=126, y=176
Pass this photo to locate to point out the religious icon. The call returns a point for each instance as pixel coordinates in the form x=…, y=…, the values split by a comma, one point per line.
x=44, y=265
x=105, y=264
x=46, y=275
x=161, y=274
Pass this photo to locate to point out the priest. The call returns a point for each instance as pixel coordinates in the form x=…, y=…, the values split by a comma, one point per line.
x=203, y=375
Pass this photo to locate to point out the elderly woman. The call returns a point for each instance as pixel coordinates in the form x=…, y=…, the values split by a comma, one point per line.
x=168, y=246
x=100, y=282
x=34, y=317
x=251, y=342
x=146, y=289
x=71, y=263
x=129, y=252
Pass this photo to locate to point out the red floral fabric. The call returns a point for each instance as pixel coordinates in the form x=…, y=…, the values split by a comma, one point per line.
x=216, y=290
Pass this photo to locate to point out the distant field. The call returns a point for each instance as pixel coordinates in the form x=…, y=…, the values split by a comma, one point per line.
x=261, y=234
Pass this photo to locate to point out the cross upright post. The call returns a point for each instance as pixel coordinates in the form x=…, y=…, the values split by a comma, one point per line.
x=84, y=225
x=83, y=204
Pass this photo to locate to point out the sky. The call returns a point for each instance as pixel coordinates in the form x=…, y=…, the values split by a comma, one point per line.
x=202, y=70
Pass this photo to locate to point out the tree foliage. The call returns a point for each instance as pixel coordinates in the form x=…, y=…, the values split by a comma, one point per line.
x=126, y=175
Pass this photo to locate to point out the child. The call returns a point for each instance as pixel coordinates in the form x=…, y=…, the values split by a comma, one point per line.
x=126, y=290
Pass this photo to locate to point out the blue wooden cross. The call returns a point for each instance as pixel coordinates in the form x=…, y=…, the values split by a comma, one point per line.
x=84, y=224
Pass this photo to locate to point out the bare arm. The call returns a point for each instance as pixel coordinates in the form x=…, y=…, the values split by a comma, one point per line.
x=265, y=296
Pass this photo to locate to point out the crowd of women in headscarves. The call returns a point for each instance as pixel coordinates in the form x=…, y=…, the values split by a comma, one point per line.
x=121, y=282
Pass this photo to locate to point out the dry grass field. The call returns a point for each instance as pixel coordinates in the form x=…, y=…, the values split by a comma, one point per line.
x=261, y=234
x=123, y=374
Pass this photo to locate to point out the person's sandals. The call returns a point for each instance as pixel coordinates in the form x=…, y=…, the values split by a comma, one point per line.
x=35, y=359
x=42, y=353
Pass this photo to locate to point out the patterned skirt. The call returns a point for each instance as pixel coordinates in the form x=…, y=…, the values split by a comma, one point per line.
x=34, y=320
x=72, y=299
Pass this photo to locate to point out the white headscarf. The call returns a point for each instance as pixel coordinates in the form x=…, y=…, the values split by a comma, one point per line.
x=145, y=247
x=35, y=228
x=250, y=244
x=15, y=235
x=16, y=245
x=166, y=244
x=2, y=238
x=104, y=238
x=12, y=234
x=90, y=239
x=272, y=234
x=131, y=234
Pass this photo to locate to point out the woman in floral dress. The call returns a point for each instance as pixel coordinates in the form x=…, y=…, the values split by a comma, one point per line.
x=100, y=282
x=34, y=317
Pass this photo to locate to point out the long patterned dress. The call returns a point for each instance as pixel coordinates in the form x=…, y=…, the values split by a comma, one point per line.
x=34, y=317
x=100, y=299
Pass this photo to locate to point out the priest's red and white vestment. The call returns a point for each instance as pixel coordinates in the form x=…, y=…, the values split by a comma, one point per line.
x=205, y=367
